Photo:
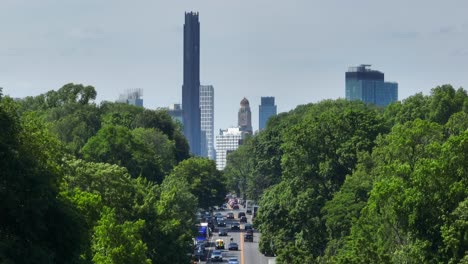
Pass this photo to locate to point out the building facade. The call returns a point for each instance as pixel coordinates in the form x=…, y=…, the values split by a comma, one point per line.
x=266, y=110
x=369, y=86
x=227, y=141
x=132, y=97
x=191, y=85
x=207, y=121
x=245, y=117
x=175, y=111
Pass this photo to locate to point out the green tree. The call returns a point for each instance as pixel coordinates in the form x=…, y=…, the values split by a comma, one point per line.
x=239, y=167
x=176, y=218
x=162, y=121
x=204, y=180
x=115, y=243
x=420, y=184
x=35, y=226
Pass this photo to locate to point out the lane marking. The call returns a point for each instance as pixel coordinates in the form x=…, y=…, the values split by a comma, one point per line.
x=241, y=242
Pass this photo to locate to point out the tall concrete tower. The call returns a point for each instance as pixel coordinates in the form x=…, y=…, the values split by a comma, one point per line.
x=245, y=117
x=191, y=85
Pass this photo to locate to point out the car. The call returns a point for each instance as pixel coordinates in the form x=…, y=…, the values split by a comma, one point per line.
x=222, y=232
x=248, y=227
x=221, y=223
x=200, y=243
x=199, y=253
x=243, y=219
x=240, y=214
x=248, y=237
x=230, y=216
x=218, y=214
x=235, y=226
x=233, y=246
x=233, y=261
x=211, y=226
x=235, y=207
x=248, y=211
x=216, y=255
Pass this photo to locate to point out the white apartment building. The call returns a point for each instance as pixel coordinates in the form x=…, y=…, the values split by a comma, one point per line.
x=227, y=141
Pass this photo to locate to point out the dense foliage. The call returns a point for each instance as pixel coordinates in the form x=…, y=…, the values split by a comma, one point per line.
x=343, y=182
x=336, y=181
x=87, y=183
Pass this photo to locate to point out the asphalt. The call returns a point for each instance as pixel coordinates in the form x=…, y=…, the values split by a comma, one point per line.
x=248, y=251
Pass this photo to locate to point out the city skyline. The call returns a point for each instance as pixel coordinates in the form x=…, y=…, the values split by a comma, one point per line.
x=48, y=44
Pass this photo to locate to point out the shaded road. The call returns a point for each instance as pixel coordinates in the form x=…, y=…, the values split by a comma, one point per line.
x=248, y=251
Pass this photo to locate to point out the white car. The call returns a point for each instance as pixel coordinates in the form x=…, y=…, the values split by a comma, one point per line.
x=233, y=261
x=217, y=256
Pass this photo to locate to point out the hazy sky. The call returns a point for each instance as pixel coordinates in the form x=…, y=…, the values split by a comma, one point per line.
x=296, y=51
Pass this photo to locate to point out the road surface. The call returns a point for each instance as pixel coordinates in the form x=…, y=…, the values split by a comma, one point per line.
x=248, y=251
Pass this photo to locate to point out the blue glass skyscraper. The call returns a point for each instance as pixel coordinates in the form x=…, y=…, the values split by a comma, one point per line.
x=267, y=109
x=191, y=85
x=369, y=86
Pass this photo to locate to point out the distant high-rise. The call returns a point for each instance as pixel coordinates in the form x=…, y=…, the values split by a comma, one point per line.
x=245, y=117
x=227, y=141
x=191, y=86
x=369, y=86
x=175, y=111
x=132, y=97
x=207, y=121
x=267, y=109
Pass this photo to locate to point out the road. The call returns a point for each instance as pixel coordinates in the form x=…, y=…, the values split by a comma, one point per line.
x=248, y=251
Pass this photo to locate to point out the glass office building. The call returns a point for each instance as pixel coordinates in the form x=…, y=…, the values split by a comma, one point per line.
x=369, y=86
x=207, y=121
x=267, y=109
x=175, y=111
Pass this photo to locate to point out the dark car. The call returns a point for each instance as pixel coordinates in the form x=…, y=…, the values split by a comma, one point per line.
x=217, y=256
x=235, y=207
x=240, y=214
x=235, y=226
x=230, y=216
x=249, y=211
x=243, y=219
x=221, y=223
x=199, y=253
x=222, y=232
x=248, y=227
x=248, y=237
x=211, y=226
x=233, y=246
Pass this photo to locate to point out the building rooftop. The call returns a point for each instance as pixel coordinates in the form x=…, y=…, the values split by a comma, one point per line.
x=361, y=68
x=244, y=102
